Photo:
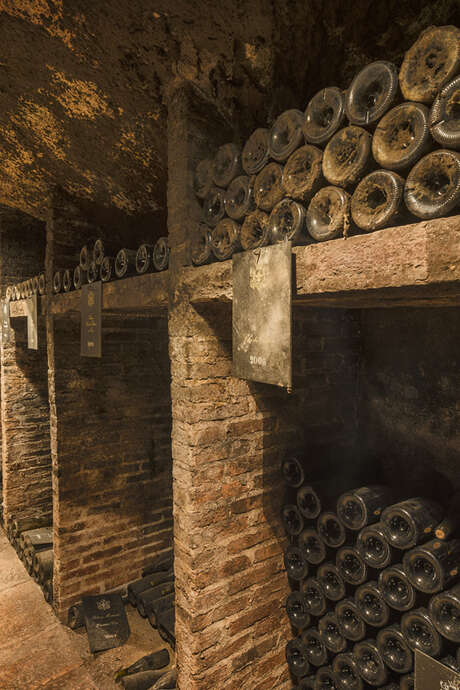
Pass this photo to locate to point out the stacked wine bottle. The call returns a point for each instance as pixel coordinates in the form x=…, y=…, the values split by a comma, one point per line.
x=373, y=579
x=382, y=153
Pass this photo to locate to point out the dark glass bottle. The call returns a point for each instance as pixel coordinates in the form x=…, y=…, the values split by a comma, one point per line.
x=328, y=214
x=396, y=589
x=411, y=522
x=347, y=156
x=255, y=231
x=374, y=548
x=225, y=239
x=309, y=501
x=433, y=185
x=213, y=207
x=268, y=190
x=292, y=520
x=303, y=174
x=328, y=628
x=377, y=201
x=433, y=566
x=331, y=530
x=125, y=263
x=317, y=652
x=286, y=134
x=296, y=609
x=445, y=613
x=370, y=663
x=292, y=471
x=351, y=566
x=79, y=277
x=102, y=248
x=42, y=283
x=227, y=164
x=67, y=282
x=312, y=545
x=256, y=151
x=297, y=658
x=314, y=596
x=347, y=672
x=295, y=563
x=371, y=93
x=451, y=662
x=200, y=250
x=430, y=63
x=331, y=581
x=57, y=282
x=351, y=624
x=324, y=115
x=107, y=269
x=202, y=179
x=394, y=649
x=160, y=254
x=444, y=116
x=402, y=136
x=239, y=198
x=371, y=605
x=287, y=222
x=325, y=679
x=420, y=633
x=144, y=258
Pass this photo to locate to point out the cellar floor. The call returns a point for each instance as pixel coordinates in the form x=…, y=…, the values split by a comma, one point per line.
x=37, y=651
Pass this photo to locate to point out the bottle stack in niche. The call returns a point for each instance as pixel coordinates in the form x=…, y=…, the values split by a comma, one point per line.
x=382, y=153
x=32, y=538
x=374, y=577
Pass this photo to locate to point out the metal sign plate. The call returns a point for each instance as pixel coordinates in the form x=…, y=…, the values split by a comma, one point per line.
x=262, y=323
x=32, y=329
x=91, y=312
x=106, y=622
x=432, y=675
x=6, y=326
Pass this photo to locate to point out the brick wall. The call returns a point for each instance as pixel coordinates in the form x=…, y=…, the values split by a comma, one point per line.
x=24, y=380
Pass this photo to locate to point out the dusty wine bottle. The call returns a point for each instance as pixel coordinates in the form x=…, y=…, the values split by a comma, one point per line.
x=144, y=258
x=394, y=650
x=371, y=605
x=213, y=207
x=420, y=633
x=239, y=198
x=325, y=678
x=292, y=520
x=377, y=201
x=75, y=617
x=202, y=178
x=255, y=231
x=35, y=285
x=411, y=522
x=57, y=282
x=445, y=117
x=149, y=596
x=107, y=269
x=227, y=164
x=347, y=156
x=79, y=277
x=316, y=650
x=433, y=566
x=402, y=136
x=433, y=185
x=268, y=190
x=445, y=613
x=41, y=284
x=86, y=254
x=125, y=263
x=303, y=174
x=297, y=657
x=306, y=683
x=200, y=250
x=430, y=63
x=370, y=663
x=315, y=599
x=292, y=471
x=346, y=672
x=296, y=609
x=311, y=544
x=286, y=134
x=295, y=562
x=351, y=566
x=256, y=151
x=363, y=506
x=374, y=548
x=160, y=254
x=351, y=625
x=331, y=530
x=328, y=214
x=308, y=501
x=324, y=115
x=371, y=93
x=328, y=628
x=103, y=248
x=225, y=239
x=67, y=282
x=287, y=222
x=396, y=589
x=147, y=582
x=92, y=273
x=331, y=581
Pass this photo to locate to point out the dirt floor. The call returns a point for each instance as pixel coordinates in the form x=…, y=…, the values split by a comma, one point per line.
x=36, y=651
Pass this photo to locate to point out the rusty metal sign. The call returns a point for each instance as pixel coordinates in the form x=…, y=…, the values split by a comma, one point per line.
x=91, y=317
x=6, y=325
x=432, y=675
x=32, y=322
x=262, y=315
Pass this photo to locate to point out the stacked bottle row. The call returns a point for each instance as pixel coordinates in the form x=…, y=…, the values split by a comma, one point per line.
x=33, y=541
x=27, y=288
x=373, y=579
x=313, y=175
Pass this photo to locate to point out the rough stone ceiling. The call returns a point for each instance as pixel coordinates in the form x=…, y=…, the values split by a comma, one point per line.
x=83, y=83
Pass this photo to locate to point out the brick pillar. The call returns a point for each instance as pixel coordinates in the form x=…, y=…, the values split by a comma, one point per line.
x=24, y=377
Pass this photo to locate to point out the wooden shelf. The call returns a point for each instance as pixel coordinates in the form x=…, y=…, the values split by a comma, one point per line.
x=411, y=265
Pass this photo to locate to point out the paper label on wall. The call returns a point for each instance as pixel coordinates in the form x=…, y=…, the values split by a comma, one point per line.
x=32, y=322
x=91, y=315
x=6, y=326
x=433, y=675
